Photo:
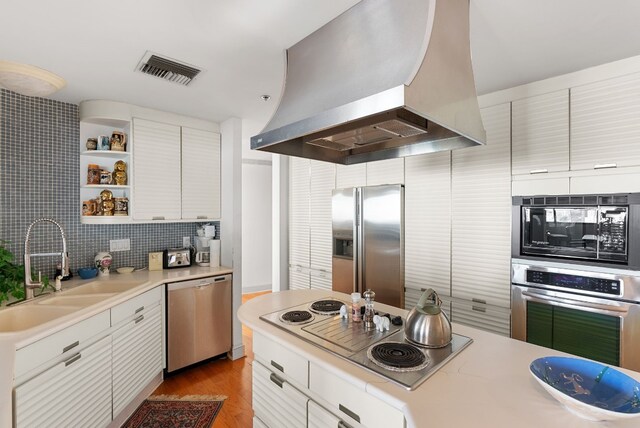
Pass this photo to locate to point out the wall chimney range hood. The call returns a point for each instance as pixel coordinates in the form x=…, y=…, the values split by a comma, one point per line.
x=386, y=79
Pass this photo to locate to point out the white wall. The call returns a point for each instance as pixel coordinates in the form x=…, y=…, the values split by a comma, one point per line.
x=256, y=214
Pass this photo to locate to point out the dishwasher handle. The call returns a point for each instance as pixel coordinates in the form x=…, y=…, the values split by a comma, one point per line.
x=198, y=283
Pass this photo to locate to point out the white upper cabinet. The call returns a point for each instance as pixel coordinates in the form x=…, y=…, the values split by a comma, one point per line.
x=427, y=222
x=481, y=214
x=540, y=140
x=605, y=123
x=157, y=190
x=351, y=175
x=390, y=171
x=200, y=174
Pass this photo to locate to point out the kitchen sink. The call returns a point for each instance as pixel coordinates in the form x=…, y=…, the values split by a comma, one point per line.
x=24, y=317
x=81, y=300
x=102, y=287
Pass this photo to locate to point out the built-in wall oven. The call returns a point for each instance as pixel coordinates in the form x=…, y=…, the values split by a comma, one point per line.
x=593, y=312
x=583, y=229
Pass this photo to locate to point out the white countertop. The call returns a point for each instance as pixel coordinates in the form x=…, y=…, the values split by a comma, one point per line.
x=487, y=385
x=141, y=281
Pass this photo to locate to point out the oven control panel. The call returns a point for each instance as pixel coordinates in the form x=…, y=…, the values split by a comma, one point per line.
x=576, y=282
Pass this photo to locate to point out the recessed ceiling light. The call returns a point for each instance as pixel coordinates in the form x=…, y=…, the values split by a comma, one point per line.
x=29, y=80
x=265, y=97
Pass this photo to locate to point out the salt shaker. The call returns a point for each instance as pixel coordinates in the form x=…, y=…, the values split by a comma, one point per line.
x=355, y=307
x=369, y=298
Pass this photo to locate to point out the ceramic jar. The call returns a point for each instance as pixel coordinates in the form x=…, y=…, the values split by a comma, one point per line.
x=103, y=261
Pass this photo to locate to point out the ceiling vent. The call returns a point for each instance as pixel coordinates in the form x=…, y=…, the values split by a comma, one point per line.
x=167, y=69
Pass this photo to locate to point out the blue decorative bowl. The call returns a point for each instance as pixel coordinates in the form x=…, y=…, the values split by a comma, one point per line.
x=590, y=390
x=88, y=273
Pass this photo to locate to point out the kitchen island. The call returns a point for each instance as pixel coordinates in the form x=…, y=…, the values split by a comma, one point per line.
x=487, y=385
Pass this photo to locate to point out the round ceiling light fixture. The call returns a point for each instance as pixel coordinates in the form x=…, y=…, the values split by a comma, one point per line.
x=29, y=80
x=265, y=97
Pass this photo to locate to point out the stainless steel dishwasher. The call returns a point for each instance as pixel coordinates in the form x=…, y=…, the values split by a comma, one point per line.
x=198, y=320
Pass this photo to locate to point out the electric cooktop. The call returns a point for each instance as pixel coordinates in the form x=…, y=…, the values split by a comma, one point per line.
x=386, y=354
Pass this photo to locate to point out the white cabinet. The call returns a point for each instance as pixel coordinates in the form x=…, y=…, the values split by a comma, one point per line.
x=177, y=173
x=137, y=356
x=200, y=174
x=351, y=403
x=605, y=125
x=390, y=171
x=275, y=401
x=74, y=392
x=481, y=214
x=287, y=390
x=427, y=217
x=157, y=176
x=310, y=188
x=299, y=199
x=321, y=184
x=351, y=175
x=540, y=138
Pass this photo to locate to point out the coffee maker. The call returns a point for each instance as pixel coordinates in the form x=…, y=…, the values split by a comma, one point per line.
x=203, y=255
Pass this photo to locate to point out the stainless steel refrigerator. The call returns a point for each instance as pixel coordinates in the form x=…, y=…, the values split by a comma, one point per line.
x=368, y=241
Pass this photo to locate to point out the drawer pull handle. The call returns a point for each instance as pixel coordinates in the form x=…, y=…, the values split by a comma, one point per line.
x=343, y=424
x=349, y=413
x=140, y=318
x=538, y=171
x=605, y=165
x=72, y=359
x=157, y=217
x=73, y=345
x=478, y=308
x=277, y=366
x=474, y=300
x=219, y=278
x=201, y=217
x=275, y=379
x=140, y=309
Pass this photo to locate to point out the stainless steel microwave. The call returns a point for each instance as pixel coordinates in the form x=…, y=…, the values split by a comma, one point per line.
x=584, y=228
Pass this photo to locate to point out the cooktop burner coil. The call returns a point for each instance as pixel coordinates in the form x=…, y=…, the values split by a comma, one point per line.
x=398, y=356
x=296, y=317
x=326, y=307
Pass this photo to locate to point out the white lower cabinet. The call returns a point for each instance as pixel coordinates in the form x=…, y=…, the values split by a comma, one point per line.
x=75, y=392
x=290, y=391
x=137, y=356
x=321, y=418
x=86, y=374
x=275, y=401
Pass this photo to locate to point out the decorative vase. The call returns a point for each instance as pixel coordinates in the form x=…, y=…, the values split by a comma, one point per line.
x=103, y=263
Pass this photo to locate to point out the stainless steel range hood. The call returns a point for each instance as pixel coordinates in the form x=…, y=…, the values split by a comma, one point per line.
x=386, y=79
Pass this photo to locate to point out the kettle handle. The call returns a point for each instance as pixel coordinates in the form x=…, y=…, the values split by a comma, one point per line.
x=429, y=296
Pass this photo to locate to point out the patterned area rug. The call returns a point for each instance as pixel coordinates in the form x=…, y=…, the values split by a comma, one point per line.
x=170, y=411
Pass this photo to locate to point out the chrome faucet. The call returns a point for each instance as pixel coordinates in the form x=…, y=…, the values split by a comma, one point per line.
x=29, y=284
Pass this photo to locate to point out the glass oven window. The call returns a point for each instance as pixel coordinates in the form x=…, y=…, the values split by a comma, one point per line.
x=560, y=231
x=582, y=333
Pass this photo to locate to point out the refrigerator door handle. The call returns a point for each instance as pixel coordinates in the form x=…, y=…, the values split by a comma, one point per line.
x=360, y=267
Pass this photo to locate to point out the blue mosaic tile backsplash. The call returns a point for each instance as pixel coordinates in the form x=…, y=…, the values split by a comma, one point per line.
x=39, y=175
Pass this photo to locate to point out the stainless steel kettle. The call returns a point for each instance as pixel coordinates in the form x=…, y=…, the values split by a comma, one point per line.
x=427, y=325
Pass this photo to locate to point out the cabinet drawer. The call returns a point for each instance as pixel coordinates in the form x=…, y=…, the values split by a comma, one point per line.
x=351, y=402
x=75, y=392
x=64, y=342
x=131, y=308
x=321, y=418
x=257, y=423
x=288, y=365
x=600, y=183
x=275, y=401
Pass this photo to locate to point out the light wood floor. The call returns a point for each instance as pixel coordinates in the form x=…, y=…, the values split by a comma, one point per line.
x=220, y=377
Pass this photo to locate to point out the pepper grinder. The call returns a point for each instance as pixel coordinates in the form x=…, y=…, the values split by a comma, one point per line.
x=369, y=298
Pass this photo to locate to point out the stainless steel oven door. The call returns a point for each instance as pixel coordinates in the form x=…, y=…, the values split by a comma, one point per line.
x=623, y=314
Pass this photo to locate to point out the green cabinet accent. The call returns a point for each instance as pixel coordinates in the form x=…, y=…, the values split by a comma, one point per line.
x=577, y=332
